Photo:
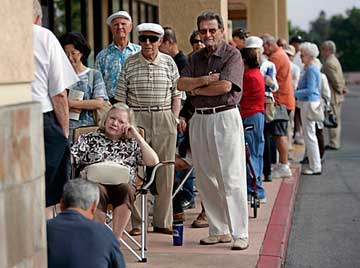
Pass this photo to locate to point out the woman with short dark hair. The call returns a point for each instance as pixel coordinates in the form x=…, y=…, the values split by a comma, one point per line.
x=89, y=93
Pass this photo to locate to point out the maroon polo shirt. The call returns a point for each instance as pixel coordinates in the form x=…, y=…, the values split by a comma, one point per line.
x=228, y=62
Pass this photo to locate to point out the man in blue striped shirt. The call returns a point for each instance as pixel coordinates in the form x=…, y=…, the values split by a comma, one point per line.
x=110, y=60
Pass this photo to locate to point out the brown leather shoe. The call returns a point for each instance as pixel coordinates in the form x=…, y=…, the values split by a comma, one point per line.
x=135, y=232
x=179, y=216
x=201, y=221
x=163, y=230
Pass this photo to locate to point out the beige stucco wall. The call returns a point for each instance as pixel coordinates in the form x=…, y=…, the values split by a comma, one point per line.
x=16, y=64
x=283, y=29
x=262, y=17
x=22, y=200
x=182, y=14
x=267, y=16
x=22, y=190
x=16, y=41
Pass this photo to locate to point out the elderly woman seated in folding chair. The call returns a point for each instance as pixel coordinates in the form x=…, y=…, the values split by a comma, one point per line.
x=117, y=142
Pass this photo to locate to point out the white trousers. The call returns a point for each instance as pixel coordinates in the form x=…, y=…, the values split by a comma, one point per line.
x=218, y=150
x=311, y=142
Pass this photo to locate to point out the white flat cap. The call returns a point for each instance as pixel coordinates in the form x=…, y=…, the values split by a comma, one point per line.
x=150, y=27
x=119, y=14
x=253, y=42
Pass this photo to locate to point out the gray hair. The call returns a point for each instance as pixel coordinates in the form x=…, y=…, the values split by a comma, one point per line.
x=330, y=45
x=121, y=107
x=37, y=9
x=80, y=193
x=310, y=49
x=210, y=15
x=268, y=39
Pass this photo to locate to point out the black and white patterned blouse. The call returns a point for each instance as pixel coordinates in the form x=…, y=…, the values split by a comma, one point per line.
x=95, y=147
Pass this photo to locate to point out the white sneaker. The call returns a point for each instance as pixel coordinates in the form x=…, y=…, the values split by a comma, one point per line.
x=282, y=170
x=240, y=244
x=309, y=171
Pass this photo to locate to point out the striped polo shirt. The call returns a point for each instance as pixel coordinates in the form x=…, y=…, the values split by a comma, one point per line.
x=143, y=83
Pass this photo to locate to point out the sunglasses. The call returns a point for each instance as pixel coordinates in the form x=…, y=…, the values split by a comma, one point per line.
x=152, y=38
x=211, y=31
x=196, y=41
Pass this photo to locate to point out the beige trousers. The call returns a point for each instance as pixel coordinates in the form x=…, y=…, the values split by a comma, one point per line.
x=335, y=133
x=218, y=150
x=160, y=133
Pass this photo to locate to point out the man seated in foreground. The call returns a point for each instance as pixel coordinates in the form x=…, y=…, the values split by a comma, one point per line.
x=74, y=239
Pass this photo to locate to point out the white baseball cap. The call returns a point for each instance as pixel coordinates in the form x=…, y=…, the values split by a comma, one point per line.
x=253, y=42
x=119, y=14
x=150, y=27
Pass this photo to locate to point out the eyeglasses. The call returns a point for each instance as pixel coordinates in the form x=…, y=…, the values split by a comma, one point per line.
x=152, y=38
x=211, y=31
x=196, y=41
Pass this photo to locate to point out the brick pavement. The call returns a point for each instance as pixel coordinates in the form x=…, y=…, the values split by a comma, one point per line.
x=268, y=234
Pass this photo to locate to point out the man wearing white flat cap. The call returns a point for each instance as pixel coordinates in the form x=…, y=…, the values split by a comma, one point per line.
x=110, y=60
x=148, y=84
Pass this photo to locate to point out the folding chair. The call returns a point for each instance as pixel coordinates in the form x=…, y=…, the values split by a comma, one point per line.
x=143, y=190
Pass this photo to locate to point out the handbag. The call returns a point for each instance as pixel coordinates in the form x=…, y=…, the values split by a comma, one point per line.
x=269, y=109
x=315, y=111
x=98, y=113
x=107, y=172
x=330, y=120
x=281, y=113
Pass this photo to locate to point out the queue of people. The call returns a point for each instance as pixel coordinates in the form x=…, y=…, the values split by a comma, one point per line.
x=200, y=102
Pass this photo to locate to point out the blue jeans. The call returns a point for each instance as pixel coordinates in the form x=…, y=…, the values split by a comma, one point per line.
x=188, y=187
x=255, y=141
x=187, y=191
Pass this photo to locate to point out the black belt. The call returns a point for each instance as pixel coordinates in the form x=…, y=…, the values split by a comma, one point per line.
x=215, y=109
x=150, y=108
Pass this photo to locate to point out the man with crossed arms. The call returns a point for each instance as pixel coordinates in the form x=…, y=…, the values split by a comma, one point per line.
x=213, y=77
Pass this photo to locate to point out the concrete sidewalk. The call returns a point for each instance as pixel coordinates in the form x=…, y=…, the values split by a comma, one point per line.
x=268, y=234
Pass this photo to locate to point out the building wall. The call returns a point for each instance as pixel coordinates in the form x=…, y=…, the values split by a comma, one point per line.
x=16, y=65
x=22, y=200
x=263, y=16
x=182, y=14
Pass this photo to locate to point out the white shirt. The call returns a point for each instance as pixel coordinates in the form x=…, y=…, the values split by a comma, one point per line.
x=297, y=60
x=325, y=89
x=53, y=71
x=295, y=73
x=268, y=68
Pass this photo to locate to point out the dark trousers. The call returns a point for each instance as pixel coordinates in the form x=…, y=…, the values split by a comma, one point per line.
x=269, y=156
x=320, y=138
x=57, y=159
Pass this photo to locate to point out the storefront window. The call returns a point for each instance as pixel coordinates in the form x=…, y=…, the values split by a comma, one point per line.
x=67, y=16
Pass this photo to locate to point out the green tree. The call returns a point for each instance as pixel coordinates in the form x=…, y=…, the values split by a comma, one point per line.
x=345, y=32
x=320, y=28
x=295, y=30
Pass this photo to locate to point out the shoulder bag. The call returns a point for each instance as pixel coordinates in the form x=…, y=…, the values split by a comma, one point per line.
x=330, y=120
x=315, y=112
x=98, y=113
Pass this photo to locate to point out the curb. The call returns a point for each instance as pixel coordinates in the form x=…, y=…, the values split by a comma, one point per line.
x=273, y=250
